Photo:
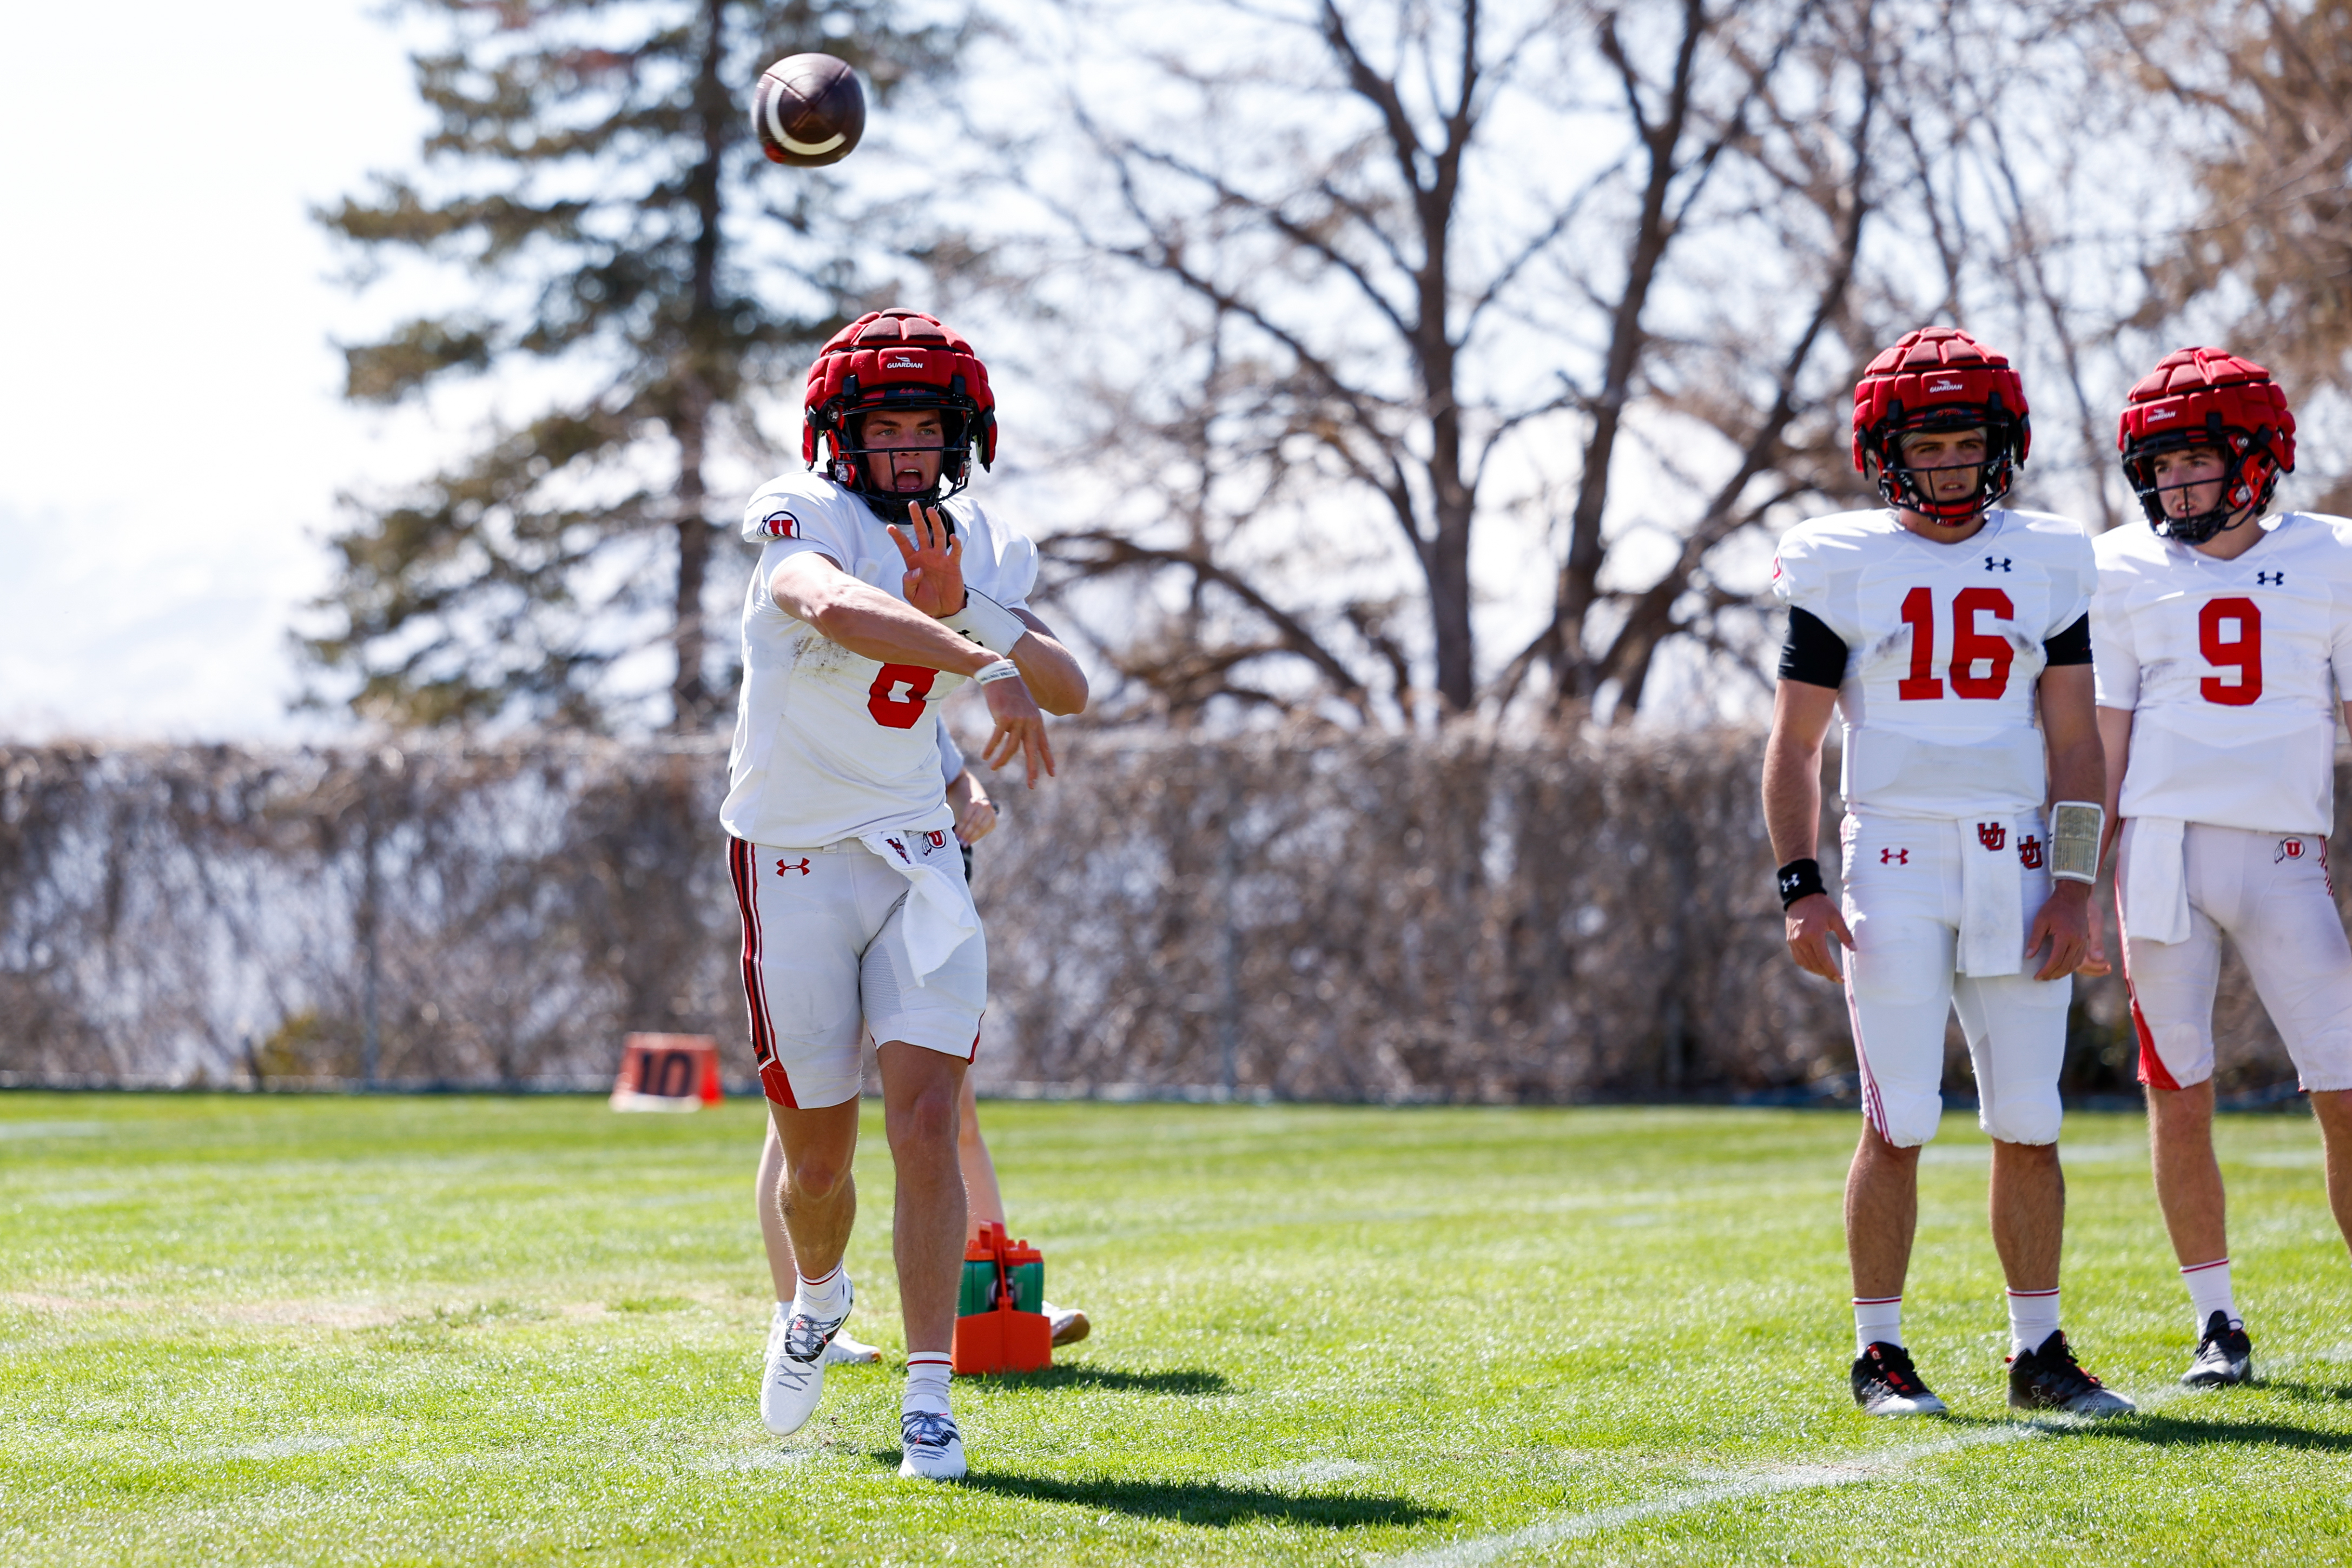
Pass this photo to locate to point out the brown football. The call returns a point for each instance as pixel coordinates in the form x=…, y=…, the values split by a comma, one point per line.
x=808, y=110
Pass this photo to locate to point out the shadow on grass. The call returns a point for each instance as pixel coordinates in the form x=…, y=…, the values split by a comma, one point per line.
x=1188, y=1380
x=1208, y=1502
x=2172, y=1431
x=2307, y=1393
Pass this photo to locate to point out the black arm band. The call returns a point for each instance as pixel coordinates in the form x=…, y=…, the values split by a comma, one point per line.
x=1800, y=879
x=1813, y=653
x=2072, y=646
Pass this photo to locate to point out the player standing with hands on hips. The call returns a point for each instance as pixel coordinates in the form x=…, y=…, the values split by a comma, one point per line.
x=2224, y=645
x=1941, y=626
x=879, y=591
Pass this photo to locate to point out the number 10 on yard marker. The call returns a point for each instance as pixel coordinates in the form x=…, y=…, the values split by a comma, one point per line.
x=666, y=1073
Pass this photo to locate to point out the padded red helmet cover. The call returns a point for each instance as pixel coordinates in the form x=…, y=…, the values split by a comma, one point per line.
x=1940, y=378
x=2206, y=397
x=899, y=358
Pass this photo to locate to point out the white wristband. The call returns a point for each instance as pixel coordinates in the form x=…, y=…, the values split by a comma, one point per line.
x=986, y=622
x=997, y=670
x=2075, y=827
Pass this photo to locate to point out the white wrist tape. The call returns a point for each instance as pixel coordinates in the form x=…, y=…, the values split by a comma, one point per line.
x=986, y=622
x=998, y=670
x=2075, y=827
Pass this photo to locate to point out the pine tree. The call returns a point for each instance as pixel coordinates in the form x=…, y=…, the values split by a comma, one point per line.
x=594, y=178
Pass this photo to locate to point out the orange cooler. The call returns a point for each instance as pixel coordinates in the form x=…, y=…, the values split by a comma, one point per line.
x=999, y=1325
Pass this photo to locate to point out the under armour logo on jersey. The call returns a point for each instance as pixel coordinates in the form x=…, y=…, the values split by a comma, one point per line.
x=2029, y=853
x=2270, y=578
x=1992, y=835
x=1895, y=857
x=2000, y=565
x=783, y=866
x=2288, y=849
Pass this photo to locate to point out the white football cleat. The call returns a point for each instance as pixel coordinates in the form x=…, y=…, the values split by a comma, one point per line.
x=846, y=1352
x=932, y=1448
x=1069, y=1323
x=795, y=1378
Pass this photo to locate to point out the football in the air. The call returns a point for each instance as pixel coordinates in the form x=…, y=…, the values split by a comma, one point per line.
x=808, y=110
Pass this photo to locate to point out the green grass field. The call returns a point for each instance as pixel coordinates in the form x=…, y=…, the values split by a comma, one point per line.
x=321, y=1330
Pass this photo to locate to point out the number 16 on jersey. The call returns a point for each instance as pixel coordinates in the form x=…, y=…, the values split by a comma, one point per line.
x=1980, y=658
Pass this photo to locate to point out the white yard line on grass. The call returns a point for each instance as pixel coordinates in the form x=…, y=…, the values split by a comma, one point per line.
x=1477, y=1549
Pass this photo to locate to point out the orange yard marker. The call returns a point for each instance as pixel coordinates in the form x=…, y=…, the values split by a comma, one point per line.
x=666, y=1073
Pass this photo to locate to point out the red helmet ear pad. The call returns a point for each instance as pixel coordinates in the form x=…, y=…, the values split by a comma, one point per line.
x=2177, y=403
x=1931, y=368
x=899, y=349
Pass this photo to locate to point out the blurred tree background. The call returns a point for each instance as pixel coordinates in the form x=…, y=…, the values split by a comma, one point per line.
x=1440, y=371
x=594, y=181
x=1368, y=362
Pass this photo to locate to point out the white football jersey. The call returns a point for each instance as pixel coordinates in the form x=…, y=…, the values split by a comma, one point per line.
x=830, y=743
x=2232, y=670
x=1943, y=651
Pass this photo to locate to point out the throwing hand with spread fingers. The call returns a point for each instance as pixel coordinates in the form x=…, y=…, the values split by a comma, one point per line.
x=934, y=558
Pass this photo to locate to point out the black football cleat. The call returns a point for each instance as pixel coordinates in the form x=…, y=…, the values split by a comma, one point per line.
x=2051, y=1378
x=1887, y=1384
x=2225, y=1356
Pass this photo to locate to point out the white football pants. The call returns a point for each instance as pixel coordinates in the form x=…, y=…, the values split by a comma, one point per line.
x=825, y=964
x=2270, y=892
x=1903, y=902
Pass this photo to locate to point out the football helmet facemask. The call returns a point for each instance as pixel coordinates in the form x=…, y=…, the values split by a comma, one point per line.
x=1939, y=379
x=2204, y=397
x=897, y=359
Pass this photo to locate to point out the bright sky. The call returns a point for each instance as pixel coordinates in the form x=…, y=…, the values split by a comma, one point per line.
x=171, y=439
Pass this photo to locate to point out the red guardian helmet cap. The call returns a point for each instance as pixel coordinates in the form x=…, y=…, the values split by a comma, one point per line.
x=2203, y=397
x=1939, y=378
x=897, y=359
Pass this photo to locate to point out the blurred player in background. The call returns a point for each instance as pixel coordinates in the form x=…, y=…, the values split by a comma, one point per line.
x=1941, y=625
x=879, y=590
x=2224, y=645
x=975, y=816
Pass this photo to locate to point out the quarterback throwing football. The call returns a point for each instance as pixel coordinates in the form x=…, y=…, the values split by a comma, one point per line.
x=2224, y=645
x=876, y=594
x=1943, y=626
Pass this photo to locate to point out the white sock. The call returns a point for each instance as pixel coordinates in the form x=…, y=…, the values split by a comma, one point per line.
x=2208, y=1292
x=1877, y=1320
x=823, y=1298
x=927, y=1383
x=2033, y=1319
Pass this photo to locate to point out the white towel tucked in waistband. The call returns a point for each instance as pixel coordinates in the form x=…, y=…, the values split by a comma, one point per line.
x=939, y=916
x=2156, y=881
x=1992, y=898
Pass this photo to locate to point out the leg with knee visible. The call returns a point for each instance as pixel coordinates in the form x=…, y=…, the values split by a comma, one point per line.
x=1881, y=1214
x=768, y=1201
x=818, y=1198
x=2333, y=1109
x=2188, y=1176
x=2027, y=1204
x=983, y=1200
x=920, y=1091
x=2188, y=1188
x=818, y=1203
